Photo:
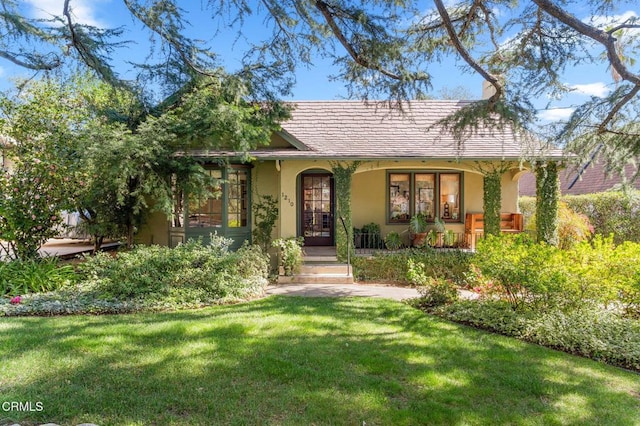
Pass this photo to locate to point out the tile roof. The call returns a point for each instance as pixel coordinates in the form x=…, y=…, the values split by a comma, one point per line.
x=374, y=130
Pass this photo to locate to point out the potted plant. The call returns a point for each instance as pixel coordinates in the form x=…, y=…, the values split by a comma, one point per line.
x=393, y=241
x=418, y=229
x=449, y=238
x=439, y=230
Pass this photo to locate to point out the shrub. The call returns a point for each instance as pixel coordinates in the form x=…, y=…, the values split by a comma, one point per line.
x=393, y=267
x=433, y=291
x=572, y=227
x=529, y=274
x=611, y=212
x=20, y=277
x=192, y=270
x=290, y=254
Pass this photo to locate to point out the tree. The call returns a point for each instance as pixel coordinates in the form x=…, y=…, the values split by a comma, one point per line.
x=41, y=121
x=82, y=145
x=385, y=48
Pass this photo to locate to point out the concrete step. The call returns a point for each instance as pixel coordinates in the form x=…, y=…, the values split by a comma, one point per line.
x=316, y=279
x=325, y=268
x=320, y=259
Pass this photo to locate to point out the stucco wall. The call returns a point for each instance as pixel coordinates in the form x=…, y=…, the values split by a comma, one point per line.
x=281, y=179
x=369, y=191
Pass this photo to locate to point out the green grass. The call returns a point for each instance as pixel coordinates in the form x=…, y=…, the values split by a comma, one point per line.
x=285, y=360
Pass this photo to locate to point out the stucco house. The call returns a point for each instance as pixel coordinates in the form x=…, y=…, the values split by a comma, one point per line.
x=406, y=165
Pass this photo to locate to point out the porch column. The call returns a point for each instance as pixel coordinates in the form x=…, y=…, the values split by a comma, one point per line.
x=492, y=202
x=547, y=193
x=342, y=180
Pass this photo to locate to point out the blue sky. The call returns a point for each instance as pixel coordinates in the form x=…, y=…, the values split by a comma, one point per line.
x=312, y=82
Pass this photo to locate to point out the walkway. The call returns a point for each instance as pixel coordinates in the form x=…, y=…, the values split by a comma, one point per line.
x=343, y=290
x=347, y=290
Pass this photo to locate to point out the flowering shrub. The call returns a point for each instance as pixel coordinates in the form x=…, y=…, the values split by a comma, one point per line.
x=29, y=208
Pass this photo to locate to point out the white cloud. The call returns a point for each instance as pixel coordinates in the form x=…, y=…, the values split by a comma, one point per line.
x=603, y=22
x=592, y=89
x=556, y=114
x=83, y=11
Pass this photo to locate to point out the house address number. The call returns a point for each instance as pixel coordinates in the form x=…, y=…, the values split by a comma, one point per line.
x=286, y=198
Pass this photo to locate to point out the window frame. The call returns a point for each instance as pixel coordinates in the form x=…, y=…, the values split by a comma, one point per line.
x=224, y=200
x=437, y=189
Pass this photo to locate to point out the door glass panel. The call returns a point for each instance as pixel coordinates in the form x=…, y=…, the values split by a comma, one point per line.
x=206, y=211
x=317, y=215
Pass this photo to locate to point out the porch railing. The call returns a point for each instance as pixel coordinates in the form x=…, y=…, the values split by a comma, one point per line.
x=346, y=233
x=372, y=243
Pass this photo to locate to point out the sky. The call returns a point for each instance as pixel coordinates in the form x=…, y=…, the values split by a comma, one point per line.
x=313, y=82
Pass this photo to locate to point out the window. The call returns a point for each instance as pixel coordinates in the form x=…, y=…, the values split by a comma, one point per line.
x=206, y=211
x=237, y=199
x=433, y=194
x=229, y=204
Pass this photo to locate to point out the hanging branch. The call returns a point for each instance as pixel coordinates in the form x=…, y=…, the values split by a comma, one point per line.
x=455, y=40
x=358, y=57
x=605, y=38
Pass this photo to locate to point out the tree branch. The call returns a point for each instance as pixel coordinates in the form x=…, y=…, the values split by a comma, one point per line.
x=616, y=108
x=465, y=54
x=602, y=37
x=357, y=57
x=29, y=65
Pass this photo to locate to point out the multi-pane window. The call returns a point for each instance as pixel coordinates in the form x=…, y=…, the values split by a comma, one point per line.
x=205, y=209
x=237, y=202
x=227, y=201
x=432, y=194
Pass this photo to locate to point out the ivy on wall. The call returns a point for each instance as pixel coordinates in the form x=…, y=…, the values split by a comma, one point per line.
x=492, y=202
x=547, y=194
x=492, y=194
x=342, y=175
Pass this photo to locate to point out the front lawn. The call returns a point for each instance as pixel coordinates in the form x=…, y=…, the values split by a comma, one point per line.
x=284, y=360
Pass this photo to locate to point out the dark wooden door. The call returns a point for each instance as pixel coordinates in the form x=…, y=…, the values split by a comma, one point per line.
x=317, y=209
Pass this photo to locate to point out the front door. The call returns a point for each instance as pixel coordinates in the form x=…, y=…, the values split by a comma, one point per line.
x=317, y=209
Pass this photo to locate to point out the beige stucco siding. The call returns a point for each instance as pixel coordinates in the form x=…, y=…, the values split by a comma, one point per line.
x=369, y=191
x=281, y=179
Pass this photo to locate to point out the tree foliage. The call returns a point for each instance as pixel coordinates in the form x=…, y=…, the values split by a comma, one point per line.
x=84, y=146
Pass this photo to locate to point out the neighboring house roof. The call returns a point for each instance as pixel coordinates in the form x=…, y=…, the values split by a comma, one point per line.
x=374, y=130
x=594, y=178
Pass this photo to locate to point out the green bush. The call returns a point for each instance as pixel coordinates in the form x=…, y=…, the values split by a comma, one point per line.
x=19, y=277
x=572, y=227
x=192, y=271
x=393, y=267
x=611, y=212
x=529, y=274
x=538, y=276
x=291, y=254
x=433, y=291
